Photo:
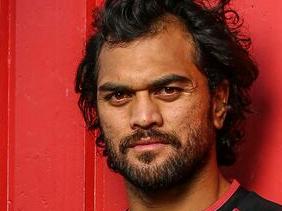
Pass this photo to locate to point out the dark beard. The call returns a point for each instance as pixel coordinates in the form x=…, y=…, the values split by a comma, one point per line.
x=181, y=165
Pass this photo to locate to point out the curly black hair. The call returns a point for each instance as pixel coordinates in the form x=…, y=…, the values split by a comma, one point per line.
x=222, y=53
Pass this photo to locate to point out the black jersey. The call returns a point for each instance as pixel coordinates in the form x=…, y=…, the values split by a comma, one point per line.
x=236, y=198
x=239, y=199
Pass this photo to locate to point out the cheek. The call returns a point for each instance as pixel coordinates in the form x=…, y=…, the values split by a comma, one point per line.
x=113, y=123
x=182, y=120
x=186, y=115
x=184, y=112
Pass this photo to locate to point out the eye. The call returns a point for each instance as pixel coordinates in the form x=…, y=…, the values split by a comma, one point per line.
x=168, y=93
x=118, y=98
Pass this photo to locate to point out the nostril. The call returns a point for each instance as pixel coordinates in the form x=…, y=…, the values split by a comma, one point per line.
x=146, y=120
x=144, y=125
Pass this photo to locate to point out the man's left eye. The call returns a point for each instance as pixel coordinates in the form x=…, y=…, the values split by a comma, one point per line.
x=169, y=90
x=168, y=93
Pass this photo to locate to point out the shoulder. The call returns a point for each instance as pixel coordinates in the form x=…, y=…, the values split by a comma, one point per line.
x=252, y=201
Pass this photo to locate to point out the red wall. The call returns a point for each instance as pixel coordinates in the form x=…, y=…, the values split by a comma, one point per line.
x=47, y=161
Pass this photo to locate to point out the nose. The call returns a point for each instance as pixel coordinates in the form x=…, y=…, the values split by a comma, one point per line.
x=144, y=112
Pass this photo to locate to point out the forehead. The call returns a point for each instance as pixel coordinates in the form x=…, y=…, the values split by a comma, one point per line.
x=171, y=51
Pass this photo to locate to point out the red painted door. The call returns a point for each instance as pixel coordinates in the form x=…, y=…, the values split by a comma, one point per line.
x=43, y=143
x=48, y=161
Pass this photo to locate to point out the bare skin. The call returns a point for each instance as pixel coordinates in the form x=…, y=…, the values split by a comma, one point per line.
x=179, y=106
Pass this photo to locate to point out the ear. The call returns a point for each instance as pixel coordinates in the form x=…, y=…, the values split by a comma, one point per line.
x=220, y=103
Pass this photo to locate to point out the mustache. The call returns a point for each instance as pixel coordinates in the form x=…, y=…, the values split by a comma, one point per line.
x=163, y=137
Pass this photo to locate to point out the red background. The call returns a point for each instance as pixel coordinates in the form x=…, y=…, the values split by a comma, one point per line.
x=47, y=162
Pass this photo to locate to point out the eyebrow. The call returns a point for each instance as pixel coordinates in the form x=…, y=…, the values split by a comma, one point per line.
x=168, y=79
x=158, y=83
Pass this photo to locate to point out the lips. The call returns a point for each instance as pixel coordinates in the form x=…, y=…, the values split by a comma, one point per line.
x=146, y=142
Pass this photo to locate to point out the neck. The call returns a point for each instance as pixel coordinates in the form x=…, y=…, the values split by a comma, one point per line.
x=197, y=194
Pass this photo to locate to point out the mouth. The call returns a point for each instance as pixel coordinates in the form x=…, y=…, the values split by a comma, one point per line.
x=148, y=143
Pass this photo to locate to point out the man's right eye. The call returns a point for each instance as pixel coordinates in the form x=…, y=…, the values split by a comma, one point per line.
x=118, y=98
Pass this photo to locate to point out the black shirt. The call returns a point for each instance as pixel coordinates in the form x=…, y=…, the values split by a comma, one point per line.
x=239, y=199
x=236, y=198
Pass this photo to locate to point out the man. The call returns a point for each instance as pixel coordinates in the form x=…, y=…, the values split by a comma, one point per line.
x=165, y=82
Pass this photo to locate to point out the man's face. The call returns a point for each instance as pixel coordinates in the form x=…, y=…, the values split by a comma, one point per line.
x=155, y=109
